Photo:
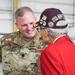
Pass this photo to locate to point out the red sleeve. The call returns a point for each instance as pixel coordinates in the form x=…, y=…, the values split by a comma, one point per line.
x=49, y=62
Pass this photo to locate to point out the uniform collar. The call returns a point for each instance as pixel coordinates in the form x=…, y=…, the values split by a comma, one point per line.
x=21, y=41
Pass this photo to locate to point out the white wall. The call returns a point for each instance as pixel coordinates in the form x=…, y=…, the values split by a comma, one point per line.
x=6, y=17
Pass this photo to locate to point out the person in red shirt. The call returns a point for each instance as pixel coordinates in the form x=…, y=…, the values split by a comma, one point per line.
x=58, y=58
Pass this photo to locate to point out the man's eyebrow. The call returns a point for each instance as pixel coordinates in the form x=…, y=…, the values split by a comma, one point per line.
x=23, y=24
x=31, y=22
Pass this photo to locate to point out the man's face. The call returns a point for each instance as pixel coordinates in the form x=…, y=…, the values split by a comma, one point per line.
x=25, y=25
x=45, y=36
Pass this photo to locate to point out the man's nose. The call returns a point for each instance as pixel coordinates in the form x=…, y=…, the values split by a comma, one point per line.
x=29, y=26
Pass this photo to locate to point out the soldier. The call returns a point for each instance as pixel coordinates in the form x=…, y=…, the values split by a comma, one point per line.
x=21, y=49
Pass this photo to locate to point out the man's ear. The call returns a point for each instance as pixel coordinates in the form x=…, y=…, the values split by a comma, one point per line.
x=45, y=37
x=16, y=25
x=43, y=33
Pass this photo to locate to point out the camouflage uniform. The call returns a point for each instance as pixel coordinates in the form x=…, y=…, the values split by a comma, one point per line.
x=20, y=56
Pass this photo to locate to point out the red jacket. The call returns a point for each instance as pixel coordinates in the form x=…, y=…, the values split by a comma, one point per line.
x=58, y=58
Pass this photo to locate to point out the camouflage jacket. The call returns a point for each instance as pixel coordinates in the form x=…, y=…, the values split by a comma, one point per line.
x=20, y=56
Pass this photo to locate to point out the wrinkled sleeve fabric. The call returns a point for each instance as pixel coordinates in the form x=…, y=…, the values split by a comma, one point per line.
x=50, y=62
